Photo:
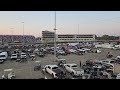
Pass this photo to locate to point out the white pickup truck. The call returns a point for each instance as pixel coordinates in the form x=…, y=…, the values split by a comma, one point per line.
x=54, y=71
x=74, y=69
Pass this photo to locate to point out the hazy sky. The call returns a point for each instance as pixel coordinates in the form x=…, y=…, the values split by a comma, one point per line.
x=90, y=22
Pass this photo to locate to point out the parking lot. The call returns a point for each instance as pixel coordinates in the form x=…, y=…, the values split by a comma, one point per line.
x=25, y=70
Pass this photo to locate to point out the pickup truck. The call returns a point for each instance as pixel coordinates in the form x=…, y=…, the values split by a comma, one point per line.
x=55, y=71
x=73, y=69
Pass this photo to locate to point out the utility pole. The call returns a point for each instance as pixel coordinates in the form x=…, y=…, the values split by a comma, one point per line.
x=23, y=34
x=12, y=35
x=78, y=34
x=55, y=38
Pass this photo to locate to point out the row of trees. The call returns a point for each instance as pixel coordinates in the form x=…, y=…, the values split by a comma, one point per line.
x=107, y=37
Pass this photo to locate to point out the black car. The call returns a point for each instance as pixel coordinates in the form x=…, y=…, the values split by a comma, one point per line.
x=59, y=73
x=41, y=54
x=79, y=53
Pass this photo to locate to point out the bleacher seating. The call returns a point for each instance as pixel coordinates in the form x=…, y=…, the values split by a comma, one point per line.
x=19, y=38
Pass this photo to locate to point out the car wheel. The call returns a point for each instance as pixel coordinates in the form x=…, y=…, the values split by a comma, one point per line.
x=45, y=70
x=72, y=73
x=34, y=69
x=52, y=75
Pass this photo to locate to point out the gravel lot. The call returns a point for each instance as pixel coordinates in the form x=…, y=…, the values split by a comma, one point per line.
x=25, y=70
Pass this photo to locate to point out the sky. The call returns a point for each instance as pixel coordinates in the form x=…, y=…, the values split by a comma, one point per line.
x=67, y=22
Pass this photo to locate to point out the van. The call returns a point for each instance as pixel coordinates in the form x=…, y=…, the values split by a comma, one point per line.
x=3, y=56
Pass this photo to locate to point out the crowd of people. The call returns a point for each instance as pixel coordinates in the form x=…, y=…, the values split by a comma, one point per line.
x=17, y=38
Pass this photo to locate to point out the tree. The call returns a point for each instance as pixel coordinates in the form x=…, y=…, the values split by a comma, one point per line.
x=105, y=37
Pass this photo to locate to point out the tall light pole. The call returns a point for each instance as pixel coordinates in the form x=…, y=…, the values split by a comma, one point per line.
x=23, y=33
x=12, y=34
x=78, y=34
x=55, y=38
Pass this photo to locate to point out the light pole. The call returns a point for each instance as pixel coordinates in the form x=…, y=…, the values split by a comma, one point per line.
x=12, y=34
x=78, y=34
x=23, y=33
x=55, y=38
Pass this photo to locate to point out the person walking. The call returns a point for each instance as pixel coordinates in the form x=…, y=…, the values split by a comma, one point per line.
x=80, y=64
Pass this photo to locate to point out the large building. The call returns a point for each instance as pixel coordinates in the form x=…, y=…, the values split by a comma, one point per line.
x=75, y=37
x=48, y=37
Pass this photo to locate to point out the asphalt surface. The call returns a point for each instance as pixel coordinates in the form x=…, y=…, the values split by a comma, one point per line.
x=25, y=70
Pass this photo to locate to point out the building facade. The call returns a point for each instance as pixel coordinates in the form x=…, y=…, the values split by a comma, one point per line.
x=75, y=38
x=48, y=37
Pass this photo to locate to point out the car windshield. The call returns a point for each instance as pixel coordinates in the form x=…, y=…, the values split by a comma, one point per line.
x=112, y=61
x=54, y=67
x=106, y=61
x=60, y=50
x=74, y=66
x=23, y=54
x=2, y=55
x=14, y=55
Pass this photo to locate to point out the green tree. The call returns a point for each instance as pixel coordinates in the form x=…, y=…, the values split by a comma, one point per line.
x=105, y=37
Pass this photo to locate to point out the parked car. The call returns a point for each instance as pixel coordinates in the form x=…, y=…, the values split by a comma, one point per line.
x=118, y=76
x=3, y=56
x=73, y=69
x=14, y=56
x=41, y=54
x=61, y=62
x=86, y=50
x=73, y=51
x=54, y=71
x=23, y=56
x=31, y=55
x=98, y=51
x=109, y=56
x=79, y=52
x=108, y=61
x=61, y=52
x=8, y=74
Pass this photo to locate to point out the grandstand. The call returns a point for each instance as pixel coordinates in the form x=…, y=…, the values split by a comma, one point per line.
x=17, y=38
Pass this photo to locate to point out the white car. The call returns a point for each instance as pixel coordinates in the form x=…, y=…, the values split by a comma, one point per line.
x=31, y=55
x=73, y=51
x=108, y=61
x=23, y=56
x=118, y=76
x=74, y=69
x=98, y=51
x=14, y=56
x=81, y=50
x=53, y=70
x=11, y=75
x=118, y=57
x=61, y=52
x=86, y=50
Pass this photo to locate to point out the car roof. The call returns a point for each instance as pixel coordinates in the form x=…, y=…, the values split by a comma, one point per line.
x=60, y=59
x=71, y=64
x=108, y=60
x=52, y=65
x=14, y=54
x=23, y=53
x=8, y=69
